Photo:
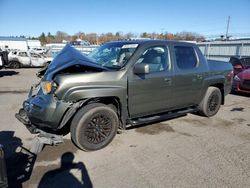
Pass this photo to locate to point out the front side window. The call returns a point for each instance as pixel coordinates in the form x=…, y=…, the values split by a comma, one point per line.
x=156, y=57
x=185, y=57
x=113, y=55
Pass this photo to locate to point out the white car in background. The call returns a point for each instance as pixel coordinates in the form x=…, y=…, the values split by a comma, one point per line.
x=39, y=50
x=1, y=62
x=19, y=59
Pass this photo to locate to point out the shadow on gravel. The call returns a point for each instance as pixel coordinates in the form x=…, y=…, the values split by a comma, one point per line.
x=62, y=177
x=20, y=164
x=19, y=160
x=7, y=73
x=237, y=109
x=14, y=92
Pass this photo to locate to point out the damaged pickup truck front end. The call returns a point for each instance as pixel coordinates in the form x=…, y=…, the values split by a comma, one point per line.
x=45, y=108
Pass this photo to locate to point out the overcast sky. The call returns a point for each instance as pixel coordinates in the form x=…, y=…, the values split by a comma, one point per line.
x=30, y=17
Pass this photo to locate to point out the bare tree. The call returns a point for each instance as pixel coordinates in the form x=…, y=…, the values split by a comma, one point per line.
x=95, y=38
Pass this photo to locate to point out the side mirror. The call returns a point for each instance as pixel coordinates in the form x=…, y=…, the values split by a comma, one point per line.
x=141, y=68
x=238, y=66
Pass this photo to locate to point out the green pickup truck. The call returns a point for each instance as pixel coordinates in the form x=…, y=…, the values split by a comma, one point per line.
x=121, y=84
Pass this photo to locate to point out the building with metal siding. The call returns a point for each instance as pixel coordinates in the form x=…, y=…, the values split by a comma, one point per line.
x=18, y=43
x=34, y=43
x=223, y=50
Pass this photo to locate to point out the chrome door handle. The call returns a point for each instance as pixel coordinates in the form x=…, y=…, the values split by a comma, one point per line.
x=168, y=81
x=199, y=76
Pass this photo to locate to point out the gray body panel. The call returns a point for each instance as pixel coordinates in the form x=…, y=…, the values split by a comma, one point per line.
x=138, y=95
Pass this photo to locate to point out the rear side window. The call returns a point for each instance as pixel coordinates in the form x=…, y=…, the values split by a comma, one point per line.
x=185, y=57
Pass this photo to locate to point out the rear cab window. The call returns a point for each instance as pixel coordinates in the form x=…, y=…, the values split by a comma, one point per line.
x=186, y=57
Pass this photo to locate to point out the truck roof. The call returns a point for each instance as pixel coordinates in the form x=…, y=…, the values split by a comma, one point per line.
x=142, y=42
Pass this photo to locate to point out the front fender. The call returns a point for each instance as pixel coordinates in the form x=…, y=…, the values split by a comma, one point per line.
x=82, y=92
x=81, y=95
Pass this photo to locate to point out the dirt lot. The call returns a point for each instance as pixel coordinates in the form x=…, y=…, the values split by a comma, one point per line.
x=190, y=151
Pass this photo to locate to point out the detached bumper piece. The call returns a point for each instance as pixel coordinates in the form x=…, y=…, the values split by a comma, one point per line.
x=43, y=138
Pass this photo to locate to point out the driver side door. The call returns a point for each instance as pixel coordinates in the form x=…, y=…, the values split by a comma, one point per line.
x=151, y=93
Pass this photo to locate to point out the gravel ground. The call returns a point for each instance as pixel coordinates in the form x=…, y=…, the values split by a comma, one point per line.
x=190, y=151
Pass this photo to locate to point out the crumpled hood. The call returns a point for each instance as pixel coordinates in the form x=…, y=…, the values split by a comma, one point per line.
x=67, y=57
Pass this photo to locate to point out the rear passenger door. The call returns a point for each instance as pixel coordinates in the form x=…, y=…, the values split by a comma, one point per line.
x=24, y=58
x=188, y=76
x=36, y=60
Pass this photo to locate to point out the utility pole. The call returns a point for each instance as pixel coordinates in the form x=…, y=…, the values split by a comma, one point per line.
x=228, y=21
x=97, y=39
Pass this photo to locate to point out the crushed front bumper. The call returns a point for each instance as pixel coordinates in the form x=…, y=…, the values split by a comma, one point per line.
x=43, y=138
x=42, y=112
x=23, y=118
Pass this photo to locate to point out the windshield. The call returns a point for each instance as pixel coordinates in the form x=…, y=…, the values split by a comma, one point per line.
x=113, y=55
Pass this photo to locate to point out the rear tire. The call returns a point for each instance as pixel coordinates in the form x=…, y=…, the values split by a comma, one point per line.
x=211, y=102
x=94, y=127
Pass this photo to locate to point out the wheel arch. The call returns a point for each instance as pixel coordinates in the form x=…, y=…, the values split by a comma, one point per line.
x=14, y=61
x=112, y=101
x=220, y=86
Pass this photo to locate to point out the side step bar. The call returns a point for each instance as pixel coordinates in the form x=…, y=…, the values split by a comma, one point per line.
x=161, y=117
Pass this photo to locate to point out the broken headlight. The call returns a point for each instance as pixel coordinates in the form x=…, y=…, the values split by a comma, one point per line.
x=48, y=86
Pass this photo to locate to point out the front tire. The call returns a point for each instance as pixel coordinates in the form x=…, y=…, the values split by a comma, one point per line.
x=211, y=102
x=94, y=127
x=14, y=65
